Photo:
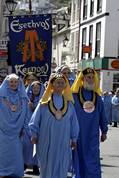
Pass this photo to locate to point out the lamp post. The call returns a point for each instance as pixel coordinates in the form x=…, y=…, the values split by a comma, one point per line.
x=65, y=41
x=30, y=7
x=11, y=5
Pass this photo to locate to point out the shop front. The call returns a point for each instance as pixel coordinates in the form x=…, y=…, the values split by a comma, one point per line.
x=108, y=71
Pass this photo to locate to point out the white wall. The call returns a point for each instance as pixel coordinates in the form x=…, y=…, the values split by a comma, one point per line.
x=109, y=28
x=35, y=4
x=1, y=17
x=60, y=50
x=112, y=29
x=106, y=80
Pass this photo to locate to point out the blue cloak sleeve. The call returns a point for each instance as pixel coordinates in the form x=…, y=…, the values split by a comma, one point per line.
x=34, y=123
x=74, y=125
x=103, y=119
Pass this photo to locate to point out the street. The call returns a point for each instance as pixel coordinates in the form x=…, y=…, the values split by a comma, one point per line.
x=109, y=156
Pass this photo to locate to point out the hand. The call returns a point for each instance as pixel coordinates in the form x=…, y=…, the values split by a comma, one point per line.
x=73, y=145
x=103, y=137
x=31, y=106
x=34, y=140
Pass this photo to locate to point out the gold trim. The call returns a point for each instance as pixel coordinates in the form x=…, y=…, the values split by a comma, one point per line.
x=13, y=107
x=83, y=101
x=61, y=112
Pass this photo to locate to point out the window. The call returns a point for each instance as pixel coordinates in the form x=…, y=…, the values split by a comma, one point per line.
x=91, y=7
x=72, y=42
x=99, y=6
x=116, y=78
x=85, y=7
x=78, y=10
x=118, y=49
x=90, y=39
x=77, y=45
x=84, y=31
x=98, y=39
x=54, y=44
x=74, y=13
x=63, y=61
x=115, y=81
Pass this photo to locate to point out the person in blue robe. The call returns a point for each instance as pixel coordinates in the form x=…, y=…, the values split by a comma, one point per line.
x=29, y=78
x=54, y=127
x=65, y=70
x=13, y=115
x=107, y=100
x=115, y=108
x=36, y=93
x=93, y=122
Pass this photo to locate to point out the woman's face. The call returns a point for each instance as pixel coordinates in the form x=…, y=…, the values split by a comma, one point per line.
x=36, y=89
x=66, y=72
x=31, y=79
x=13, y=83
x=59, y=85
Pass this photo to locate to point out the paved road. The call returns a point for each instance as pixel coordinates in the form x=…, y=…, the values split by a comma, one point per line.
x=109, y=156
x=30, y=175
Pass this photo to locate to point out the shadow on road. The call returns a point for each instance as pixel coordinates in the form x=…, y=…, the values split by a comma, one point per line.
x=113, y=156
x=106, y=165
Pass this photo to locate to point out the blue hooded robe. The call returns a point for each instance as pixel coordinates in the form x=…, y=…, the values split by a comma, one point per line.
x=115, y=108
x=29, y=159
x=11, y=125
x=87, y=155
x=53, y=147
x=108, y=107
x=71, y=78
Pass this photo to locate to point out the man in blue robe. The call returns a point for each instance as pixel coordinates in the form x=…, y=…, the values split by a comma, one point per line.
x=92, y=120
x=115, y=108
x=107, y=99
x=54, y=127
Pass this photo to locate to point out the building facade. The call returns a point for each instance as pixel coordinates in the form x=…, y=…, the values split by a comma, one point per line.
x=3, y=40
x=99, y=40
x=75, y=34
x=61, y=53
x=37, y=6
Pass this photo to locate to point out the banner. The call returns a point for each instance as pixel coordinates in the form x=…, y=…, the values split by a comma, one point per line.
x=31, y=44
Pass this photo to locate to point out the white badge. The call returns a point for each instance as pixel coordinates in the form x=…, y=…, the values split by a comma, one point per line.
x=88, y=106
x=13, y=108
x=58, y=115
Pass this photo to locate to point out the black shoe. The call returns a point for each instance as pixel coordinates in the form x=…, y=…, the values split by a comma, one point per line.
x=36, y=170
x=25, y=167
x=115, y=124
